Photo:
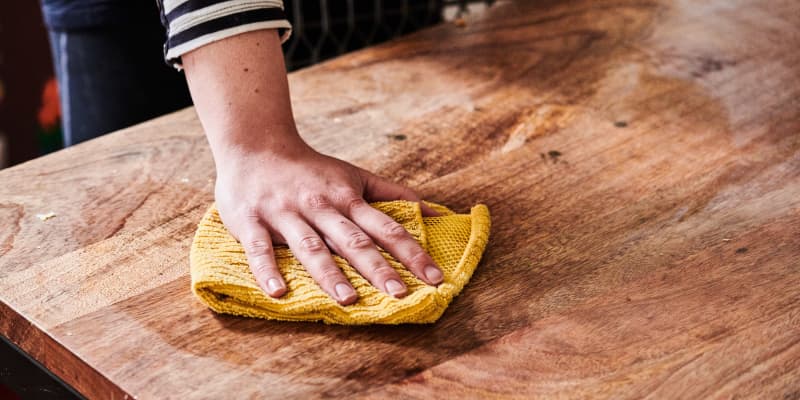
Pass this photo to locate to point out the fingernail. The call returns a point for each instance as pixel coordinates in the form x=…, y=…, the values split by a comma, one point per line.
x=344, y=291
x=433, y=274
x=395, y=288
x=274, y=285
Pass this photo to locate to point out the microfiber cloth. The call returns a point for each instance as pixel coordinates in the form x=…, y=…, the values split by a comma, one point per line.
x=221, y=277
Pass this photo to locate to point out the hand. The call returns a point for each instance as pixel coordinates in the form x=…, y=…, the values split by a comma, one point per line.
x=273, y=188
x=306, y=200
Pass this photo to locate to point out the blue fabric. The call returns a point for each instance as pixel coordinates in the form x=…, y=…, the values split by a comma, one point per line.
x=66, y=15
x=111, y=78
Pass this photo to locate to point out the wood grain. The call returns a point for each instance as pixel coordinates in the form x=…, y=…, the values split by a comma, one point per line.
x=641, y=160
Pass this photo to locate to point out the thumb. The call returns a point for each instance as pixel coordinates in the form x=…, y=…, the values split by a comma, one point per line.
x=377, y=188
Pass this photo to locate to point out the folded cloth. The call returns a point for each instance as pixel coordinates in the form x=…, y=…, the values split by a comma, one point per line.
x=221, y=277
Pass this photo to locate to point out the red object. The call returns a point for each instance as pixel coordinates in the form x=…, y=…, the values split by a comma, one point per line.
x=50, y=110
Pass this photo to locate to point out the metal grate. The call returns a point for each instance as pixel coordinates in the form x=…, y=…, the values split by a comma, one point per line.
x=326, y=28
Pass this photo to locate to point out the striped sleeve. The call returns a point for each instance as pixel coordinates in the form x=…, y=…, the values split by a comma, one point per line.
x=194, y=23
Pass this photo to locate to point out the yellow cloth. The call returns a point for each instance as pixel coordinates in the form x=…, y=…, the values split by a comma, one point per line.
x=221, y=277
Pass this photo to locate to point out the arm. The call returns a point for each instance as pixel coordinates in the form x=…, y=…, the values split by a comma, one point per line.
x=273, y=188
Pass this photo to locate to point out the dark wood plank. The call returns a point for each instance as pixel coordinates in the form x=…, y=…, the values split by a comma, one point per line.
x=641, y=161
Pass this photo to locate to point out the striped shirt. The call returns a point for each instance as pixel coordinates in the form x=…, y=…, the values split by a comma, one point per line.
x=194, y=23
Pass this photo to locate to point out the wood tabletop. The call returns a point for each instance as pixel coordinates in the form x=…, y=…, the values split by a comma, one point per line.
x=641, y=160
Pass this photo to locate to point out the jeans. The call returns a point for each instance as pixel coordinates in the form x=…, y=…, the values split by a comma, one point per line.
x=111, y=77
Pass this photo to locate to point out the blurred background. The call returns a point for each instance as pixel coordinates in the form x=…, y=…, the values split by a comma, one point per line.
x=29, y=109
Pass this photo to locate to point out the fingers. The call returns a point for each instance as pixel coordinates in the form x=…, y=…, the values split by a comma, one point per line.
x=257, y=245
x=377, y=188
x=312, y=252
x=351, y=227
x=350, y=242
x=394, y=238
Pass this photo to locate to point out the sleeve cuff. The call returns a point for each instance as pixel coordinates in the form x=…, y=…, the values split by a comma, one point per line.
x=173, y=53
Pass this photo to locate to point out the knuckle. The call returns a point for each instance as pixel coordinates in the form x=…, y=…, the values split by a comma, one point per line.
x=384, y=271
x=277, y=206
x=261, y=269
x=258, y=246
x=393, y=230
x=354, y=202
x=317, y=202
x=250, y=212
x=349, y=192
x=419, y=259
x=409, y=194
x=312, y=244
x=330, y=275
x=279, y=216
x=358, y=241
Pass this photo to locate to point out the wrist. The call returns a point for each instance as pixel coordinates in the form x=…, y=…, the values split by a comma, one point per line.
x=281, y=141
x=271, y=146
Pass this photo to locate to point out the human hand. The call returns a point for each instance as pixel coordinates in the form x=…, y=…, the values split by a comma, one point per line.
x=272, y=188
x=315, y=204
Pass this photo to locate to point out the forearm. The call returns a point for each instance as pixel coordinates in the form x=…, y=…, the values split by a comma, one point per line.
x=241, y=94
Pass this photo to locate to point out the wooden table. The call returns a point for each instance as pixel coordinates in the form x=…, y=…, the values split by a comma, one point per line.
x=641, y=161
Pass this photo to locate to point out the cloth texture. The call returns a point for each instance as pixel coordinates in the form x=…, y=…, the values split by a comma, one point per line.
x=221, y=277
